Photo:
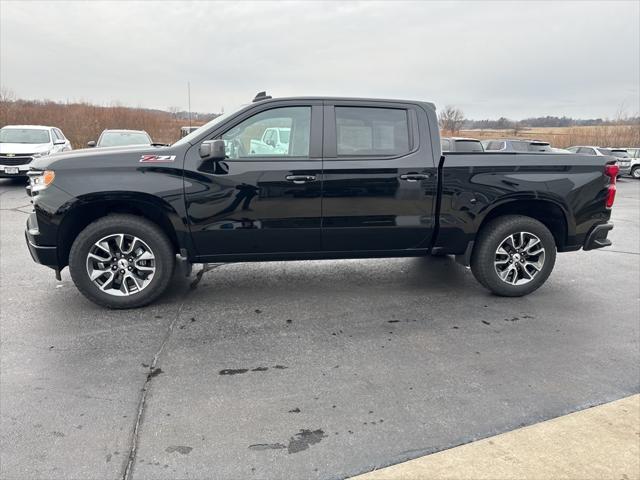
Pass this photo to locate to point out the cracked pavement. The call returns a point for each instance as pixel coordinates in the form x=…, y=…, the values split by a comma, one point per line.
x=319, y=369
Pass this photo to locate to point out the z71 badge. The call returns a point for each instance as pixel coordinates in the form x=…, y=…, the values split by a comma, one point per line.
x=157, y=158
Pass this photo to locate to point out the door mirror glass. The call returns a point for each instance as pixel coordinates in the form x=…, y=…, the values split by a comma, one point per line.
x=212, y=150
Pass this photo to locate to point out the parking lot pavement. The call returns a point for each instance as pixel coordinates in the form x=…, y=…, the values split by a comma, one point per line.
x=305, y=369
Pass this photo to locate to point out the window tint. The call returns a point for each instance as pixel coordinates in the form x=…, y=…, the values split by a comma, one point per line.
x=372, y=131
x=60, y=134
x=540, y=147
x=121, y=139
x=248, y=139
x=495, y=145
x=24, y=135
x=520, y=146
x=468, y=146
x=619, y=153
x=586, y=151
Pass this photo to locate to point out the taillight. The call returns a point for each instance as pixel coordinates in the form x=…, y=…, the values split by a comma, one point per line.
x=611, y=171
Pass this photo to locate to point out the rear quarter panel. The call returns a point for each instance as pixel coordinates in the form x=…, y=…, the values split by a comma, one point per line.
x=475, y=184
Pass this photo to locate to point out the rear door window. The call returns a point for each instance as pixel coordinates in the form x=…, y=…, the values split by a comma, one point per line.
x=370, y=131
x=520, y=146
x=493, y=145
x=468, y=146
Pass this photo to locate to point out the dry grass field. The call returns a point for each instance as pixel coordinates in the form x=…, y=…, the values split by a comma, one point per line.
x=561, y=137
x=82, y=122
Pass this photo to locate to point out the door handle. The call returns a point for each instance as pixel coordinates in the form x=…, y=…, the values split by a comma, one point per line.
x=300, y=179
x=414, y=177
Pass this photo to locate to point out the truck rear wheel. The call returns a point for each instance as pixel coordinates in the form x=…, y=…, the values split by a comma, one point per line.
x=122, y=261
x=513, y=256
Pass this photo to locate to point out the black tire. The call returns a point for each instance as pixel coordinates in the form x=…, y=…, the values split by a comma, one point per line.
x=489, y=239
x=635, y=172
x=140, y=227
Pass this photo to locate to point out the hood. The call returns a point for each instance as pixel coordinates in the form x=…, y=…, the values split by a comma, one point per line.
x=25, y=147
x=101, y=155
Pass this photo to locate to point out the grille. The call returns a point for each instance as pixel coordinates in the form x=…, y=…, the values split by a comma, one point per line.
x=12, y=161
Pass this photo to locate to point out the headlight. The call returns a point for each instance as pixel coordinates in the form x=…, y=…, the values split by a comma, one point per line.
x=41, y=180
x=41, y=154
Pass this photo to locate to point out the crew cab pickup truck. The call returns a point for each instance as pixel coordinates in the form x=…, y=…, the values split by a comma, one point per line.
x=360, y=178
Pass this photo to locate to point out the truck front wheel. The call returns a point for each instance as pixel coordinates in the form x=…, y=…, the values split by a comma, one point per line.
x=122, y=261
x=513, y=256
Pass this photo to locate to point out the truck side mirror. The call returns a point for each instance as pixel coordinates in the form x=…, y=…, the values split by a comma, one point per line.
x=213, y=150
x=92, y=143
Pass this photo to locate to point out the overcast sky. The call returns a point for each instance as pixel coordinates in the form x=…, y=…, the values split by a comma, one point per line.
x=492, y=59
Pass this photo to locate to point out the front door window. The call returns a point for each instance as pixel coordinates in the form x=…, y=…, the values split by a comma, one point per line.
x=280, y=132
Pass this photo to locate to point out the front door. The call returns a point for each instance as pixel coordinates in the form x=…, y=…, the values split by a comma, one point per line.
x=379, y=177
x=265, y=197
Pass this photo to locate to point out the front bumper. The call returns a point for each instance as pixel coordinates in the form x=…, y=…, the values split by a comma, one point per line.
x=7, y=171
x=597, y=237
x=43, y=254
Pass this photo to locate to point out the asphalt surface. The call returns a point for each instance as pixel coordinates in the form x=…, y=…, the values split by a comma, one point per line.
x=320, y=369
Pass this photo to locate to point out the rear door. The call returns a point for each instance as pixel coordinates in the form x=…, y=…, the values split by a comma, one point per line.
x=379, y=176
x=260, y=199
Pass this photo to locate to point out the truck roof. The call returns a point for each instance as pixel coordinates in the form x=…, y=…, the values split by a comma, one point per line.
x=122, y=130
x=348, y=99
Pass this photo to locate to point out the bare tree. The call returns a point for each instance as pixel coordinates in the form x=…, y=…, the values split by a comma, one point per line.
x=451, y=119
x=517, y=128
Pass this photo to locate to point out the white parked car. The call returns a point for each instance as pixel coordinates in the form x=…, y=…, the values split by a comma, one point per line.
x=19, y=144
x=274, y=141
x=634, y=161
x=620, y=155
x=121, y=138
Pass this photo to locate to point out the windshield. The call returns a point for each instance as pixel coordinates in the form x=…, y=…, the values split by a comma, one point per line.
x=469, y=146
x=116, y=139
x=206, y=126
x=24, y=135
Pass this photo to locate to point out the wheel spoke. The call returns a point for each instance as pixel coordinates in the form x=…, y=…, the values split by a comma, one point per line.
x=98, y=272
x=138, y=281
x=98, y=258
x=108, y=282
x=146, y=255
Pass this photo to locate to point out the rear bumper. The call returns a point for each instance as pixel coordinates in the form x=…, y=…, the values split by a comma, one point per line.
x=624, y=170
x=43, y=254
x=597, y=237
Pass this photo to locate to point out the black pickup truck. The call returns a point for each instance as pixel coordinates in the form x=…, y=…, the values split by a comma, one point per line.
x=311, y=178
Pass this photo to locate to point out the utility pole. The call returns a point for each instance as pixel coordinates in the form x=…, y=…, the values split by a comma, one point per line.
x=189, y=101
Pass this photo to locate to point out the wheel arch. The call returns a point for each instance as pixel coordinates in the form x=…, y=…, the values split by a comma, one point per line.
x=551, y=214
x=92, y=207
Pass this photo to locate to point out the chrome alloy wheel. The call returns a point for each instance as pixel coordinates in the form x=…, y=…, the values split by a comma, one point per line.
x=121, y=264
x=519, y=258
x=635, y=173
